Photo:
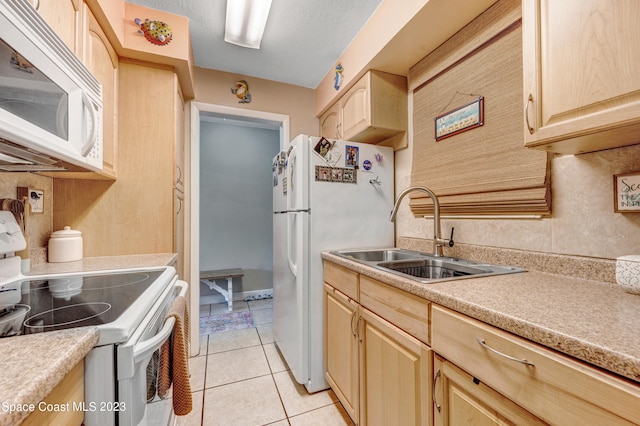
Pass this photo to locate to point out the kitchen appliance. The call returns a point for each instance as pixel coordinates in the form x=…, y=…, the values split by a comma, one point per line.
x=50, y=104
x=327, y=195
x=128, y=308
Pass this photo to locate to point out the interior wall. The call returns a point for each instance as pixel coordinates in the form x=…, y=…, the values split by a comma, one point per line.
x=236, y=202
x=40, y=225
x=582, y=222
x=214, y=87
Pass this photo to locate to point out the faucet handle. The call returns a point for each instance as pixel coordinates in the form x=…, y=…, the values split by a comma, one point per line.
x=450, y=243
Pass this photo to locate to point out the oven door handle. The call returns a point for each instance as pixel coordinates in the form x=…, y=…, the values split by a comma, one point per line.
x=148, y=347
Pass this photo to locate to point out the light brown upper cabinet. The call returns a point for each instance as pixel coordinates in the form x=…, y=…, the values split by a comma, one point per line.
x=373, y=110
x=581, y=80
x=63, y=16
x=78, y=27
x=102, y=60
x=331, y=122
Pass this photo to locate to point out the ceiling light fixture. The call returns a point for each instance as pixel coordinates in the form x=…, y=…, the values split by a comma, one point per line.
x=245, y=22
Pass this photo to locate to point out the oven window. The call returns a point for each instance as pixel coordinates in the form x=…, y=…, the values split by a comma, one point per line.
x=27, y=93
x=152, y=376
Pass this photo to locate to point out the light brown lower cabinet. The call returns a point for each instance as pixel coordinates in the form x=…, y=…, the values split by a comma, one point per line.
x=64, y=405
x=380, y=373
x=383, y=371
x=395, y=371
x=484, y=375
x=461, y=399
x=341, y=349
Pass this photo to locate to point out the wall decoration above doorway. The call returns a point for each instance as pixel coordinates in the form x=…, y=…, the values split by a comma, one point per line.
x=242, y=92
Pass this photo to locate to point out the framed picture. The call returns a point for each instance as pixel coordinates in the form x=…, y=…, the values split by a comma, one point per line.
x=323, y=174
x=351, y=160
x=460, y=120
x=350, y=176
x=626, y=192
x=323, y=147
x=34, y=196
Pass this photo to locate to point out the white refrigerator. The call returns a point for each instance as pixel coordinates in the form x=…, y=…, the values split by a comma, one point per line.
x=327, y=195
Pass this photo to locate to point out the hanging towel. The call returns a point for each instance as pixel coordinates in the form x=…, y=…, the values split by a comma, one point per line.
x=174, y=359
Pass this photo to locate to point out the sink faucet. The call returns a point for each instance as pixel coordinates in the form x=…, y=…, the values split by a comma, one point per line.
x=438, y=242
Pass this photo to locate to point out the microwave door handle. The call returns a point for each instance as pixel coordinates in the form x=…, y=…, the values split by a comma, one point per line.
x=145, y=349
x=93, y=137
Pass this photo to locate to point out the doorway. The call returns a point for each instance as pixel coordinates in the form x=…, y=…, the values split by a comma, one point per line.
x=218, y=116
x=235, y=203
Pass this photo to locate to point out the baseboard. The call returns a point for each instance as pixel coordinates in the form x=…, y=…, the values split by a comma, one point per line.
x=212, y=299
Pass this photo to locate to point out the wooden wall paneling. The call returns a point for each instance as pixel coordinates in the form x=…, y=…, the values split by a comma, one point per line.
x=134, y=214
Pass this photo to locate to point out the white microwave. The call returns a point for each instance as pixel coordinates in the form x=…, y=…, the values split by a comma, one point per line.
x=50, y=104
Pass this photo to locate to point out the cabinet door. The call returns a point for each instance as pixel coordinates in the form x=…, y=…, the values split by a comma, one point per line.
x=461, y=399
x=341, y=349
x=180, y=142
x=179, y=233
x=356, y=108
x=580, y=74
x=395, y=375
x=331, y=123
x=102, y=61
x=63, y=16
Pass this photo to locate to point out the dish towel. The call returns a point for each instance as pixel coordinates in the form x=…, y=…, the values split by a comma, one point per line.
x=174, y=359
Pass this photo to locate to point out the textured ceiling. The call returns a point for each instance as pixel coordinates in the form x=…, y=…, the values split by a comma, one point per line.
x=302, y=42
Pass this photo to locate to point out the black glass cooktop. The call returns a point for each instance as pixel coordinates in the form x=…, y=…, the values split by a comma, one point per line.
x=56, y=303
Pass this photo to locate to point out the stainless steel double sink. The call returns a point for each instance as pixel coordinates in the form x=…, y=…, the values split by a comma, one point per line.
x=424, y=267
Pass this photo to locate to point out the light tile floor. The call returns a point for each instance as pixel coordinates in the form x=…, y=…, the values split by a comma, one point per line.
x=240, y=378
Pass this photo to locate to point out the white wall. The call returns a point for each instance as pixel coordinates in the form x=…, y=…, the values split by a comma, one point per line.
x=235, y=202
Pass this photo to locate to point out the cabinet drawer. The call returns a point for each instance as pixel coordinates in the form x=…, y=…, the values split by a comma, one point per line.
x=342, y=279
x=554, y=387
x=404, y=310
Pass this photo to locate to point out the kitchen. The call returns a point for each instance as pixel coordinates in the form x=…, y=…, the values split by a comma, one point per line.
x=582, y=225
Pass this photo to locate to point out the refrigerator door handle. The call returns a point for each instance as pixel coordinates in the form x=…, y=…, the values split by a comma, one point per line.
x=291, y=190
x=291, y=235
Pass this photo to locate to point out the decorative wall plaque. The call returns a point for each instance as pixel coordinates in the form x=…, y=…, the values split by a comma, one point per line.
x=460, y=120
x=626, y=192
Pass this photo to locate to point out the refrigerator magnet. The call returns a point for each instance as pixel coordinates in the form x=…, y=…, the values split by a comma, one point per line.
x=351, y=154
x=336, y=175
x=323, y=147
x=367, y=165
x=323, y=174
x=350, y=176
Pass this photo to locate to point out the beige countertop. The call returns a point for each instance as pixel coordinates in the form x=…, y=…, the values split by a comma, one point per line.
x=593, y=321
x=32, y=365
x=105, y=263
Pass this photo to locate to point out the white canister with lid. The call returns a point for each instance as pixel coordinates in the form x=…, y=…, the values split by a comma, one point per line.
x=65, y=245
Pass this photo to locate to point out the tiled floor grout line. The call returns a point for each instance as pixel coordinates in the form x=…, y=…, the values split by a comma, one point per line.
x=261, y=339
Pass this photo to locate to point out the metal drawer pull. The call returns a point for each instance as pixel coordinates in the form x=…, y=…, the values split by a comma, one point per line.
x=526, y=114
x=433, y=391
x=353, y=330
x=521, y=361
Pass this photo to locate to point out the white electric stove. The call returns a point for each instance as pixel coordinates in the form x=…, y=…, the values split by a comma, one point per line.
x=127, y=306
